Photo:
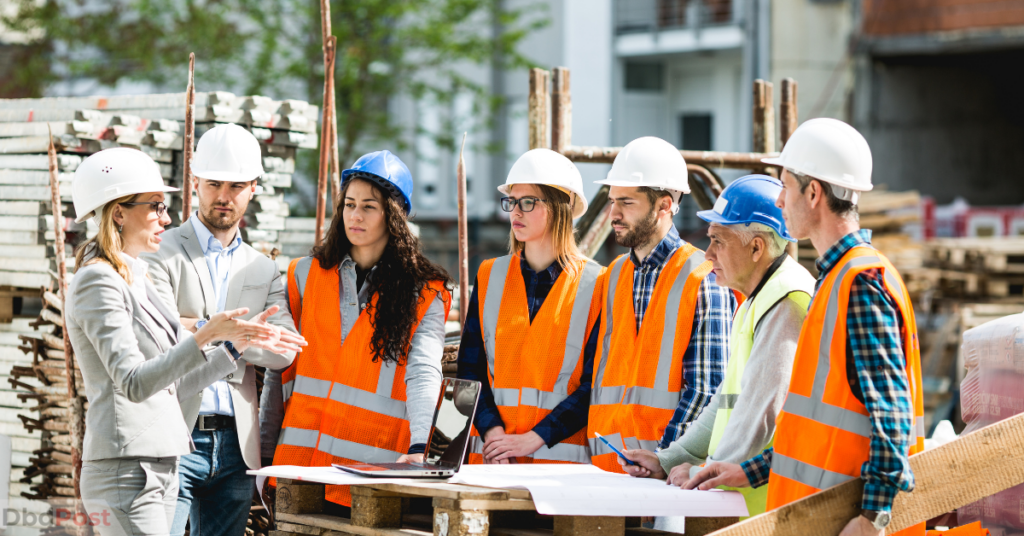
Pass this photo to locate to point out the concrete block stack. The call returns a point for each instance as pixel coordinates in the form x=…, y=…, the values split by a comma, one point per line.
x=34, y=410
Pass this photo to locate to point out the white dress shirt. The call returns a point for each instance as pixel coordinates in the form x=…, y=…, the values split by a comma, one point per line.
x=216, y=397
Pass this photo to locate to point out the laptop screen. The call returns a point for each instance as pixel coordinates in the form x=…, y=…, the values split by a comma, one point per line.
x=449, y=436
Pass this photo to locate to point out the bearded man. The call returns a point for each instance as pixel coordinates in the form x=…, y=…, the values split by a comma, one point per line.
x=203, y=267
x=665, y=324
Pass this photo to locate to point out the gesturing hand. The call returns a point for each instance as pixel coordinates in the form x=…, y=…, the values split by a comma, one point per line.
x=281, y=341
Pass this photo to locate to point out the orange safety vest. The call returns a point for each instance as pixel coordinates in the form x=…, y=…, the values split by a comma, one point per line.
x=823, y=432
x=530, y=380
x=341, y=405
x=638, y=377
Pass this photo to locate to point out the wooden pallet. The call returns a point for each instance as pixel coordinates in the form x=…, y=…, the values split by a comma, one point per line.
x=451, y=510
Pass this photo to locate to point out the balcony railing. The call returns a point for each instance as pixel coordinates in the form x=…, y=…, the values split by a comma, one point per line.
x=639, y=16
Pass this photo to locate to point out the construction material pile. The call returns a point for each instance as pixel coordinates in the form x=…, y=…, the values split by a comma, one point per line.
x=890, y=216
x=78, y=127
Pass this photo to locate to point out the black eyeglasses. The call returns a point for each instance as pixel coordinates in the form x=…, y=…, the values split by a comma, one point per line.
x=155, y=206
x=526, y=204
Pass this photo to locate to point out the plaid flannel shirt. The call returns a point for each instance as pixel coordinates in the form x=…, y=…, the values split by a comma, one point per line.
x=568, y=417
x=706, y=356
x=879, y=365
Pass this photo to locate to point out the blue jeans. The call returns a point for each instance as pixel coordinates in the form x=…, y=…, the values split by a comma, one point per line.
x=213, y=488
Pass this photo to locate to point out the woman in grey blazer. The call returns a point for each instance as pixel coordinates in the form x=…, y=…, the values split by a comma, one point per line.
x=136, y=360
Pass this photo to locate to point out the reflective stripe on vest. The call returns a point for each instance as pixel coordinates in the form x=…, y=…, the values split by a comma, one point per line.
x=597, y=447
x=823, y=434
x=613, y=394
x=528, y=382
x=814, y=407
x=562, y=452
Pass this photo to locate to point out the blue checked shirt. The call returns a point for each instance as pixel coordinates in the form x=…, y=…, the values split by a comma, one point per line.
x=708, y=352
x=568, y=417
x=879, y=365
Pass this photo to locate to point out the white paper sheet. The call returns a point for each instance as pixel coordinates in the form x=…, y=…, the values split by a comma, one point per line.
x=330, y=475
x=585, y=490
x=558, y=489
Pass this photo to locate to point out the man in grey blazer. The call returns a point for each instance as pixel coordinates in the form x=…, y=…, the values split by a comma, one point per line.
x=203, y=267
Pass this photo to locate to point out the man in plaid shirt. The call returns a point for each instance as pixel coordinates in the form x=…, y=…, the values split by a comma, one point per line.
x=642, y=215
x=879, y=364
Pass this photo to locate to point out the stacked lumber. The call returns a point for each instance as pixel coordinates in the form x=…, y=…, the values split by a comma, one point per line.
x=979, y=268
x=887, y=214
x=43, y=383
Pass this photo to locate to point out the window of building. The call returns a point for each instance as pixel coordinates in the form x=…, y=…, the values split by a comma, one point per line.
x=645, y=76
x=695, y=131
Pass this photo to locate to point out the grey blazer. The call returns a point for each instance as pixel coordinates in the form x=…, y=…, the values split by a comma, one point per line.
x=182, y=278
x=134, y=367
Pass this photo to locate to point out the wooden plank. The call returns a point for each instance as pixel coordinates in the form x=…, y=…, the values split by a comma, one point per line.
x=958, y=473
x=340, y=525
x=505, y=504
x=30, y=177
x=20, y=223
x=444, y=491
x=19, y=237
x=585, y=526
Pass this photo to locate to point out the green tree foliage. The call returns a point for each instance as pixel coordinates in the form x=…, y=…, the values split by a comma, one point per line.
x=386, y=48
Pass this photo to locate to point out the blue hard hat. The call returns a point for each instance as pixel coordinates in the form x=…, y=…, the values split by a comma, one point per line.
x=749, y=199
x=388, y=171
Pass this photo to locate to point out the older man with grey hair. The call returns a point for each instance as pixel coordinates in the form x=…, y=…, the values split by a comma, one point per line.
x=748, y=252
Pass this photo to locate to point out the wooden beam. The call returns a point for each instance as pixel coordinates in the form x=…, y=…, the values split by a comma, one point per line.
x=537, y=113
x=189, y=139
x=787, y=110
x=764, y=121
x=561, y=110
x=975, y=466
x=460, y=178
x=330, y=48
x=788, y=122
x=709, y=159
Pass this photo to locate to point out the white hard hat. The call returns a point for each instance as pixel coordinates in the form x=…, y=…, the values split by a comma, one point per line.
x=831, y=151
x=653, y=163
x=228, y=153
x=544, y=166
x=113, y=173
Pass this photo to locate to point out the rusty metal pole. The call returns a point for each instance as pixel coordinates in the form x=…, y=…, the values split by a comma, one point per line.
x=460, y=173
x=325, y=28
x=537, y=114
x=787, y=125
x=77, y=408
x=764, y=120
x=325, y=138
x=189, y=140
x=561, y=110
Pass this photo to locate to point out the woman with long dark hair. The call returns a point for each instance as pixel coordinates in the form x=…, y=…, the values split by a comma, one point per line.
x=372, y=308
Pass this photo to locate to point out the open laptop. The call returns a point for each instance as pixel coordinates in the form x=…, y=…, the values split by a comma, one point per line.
x=448, y=440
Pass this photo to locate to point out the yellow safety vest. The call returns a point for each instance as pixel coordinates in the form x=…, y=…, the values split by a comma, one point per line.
x=790, y=281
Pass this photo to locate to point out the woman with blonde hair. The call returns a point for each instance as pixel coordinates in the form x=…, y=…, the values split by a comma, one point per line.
x=136, y=360
x=531, y=328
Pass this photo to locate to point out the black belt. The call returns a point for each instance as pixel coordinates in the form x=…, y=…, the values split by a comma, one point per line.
x=209, y=423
